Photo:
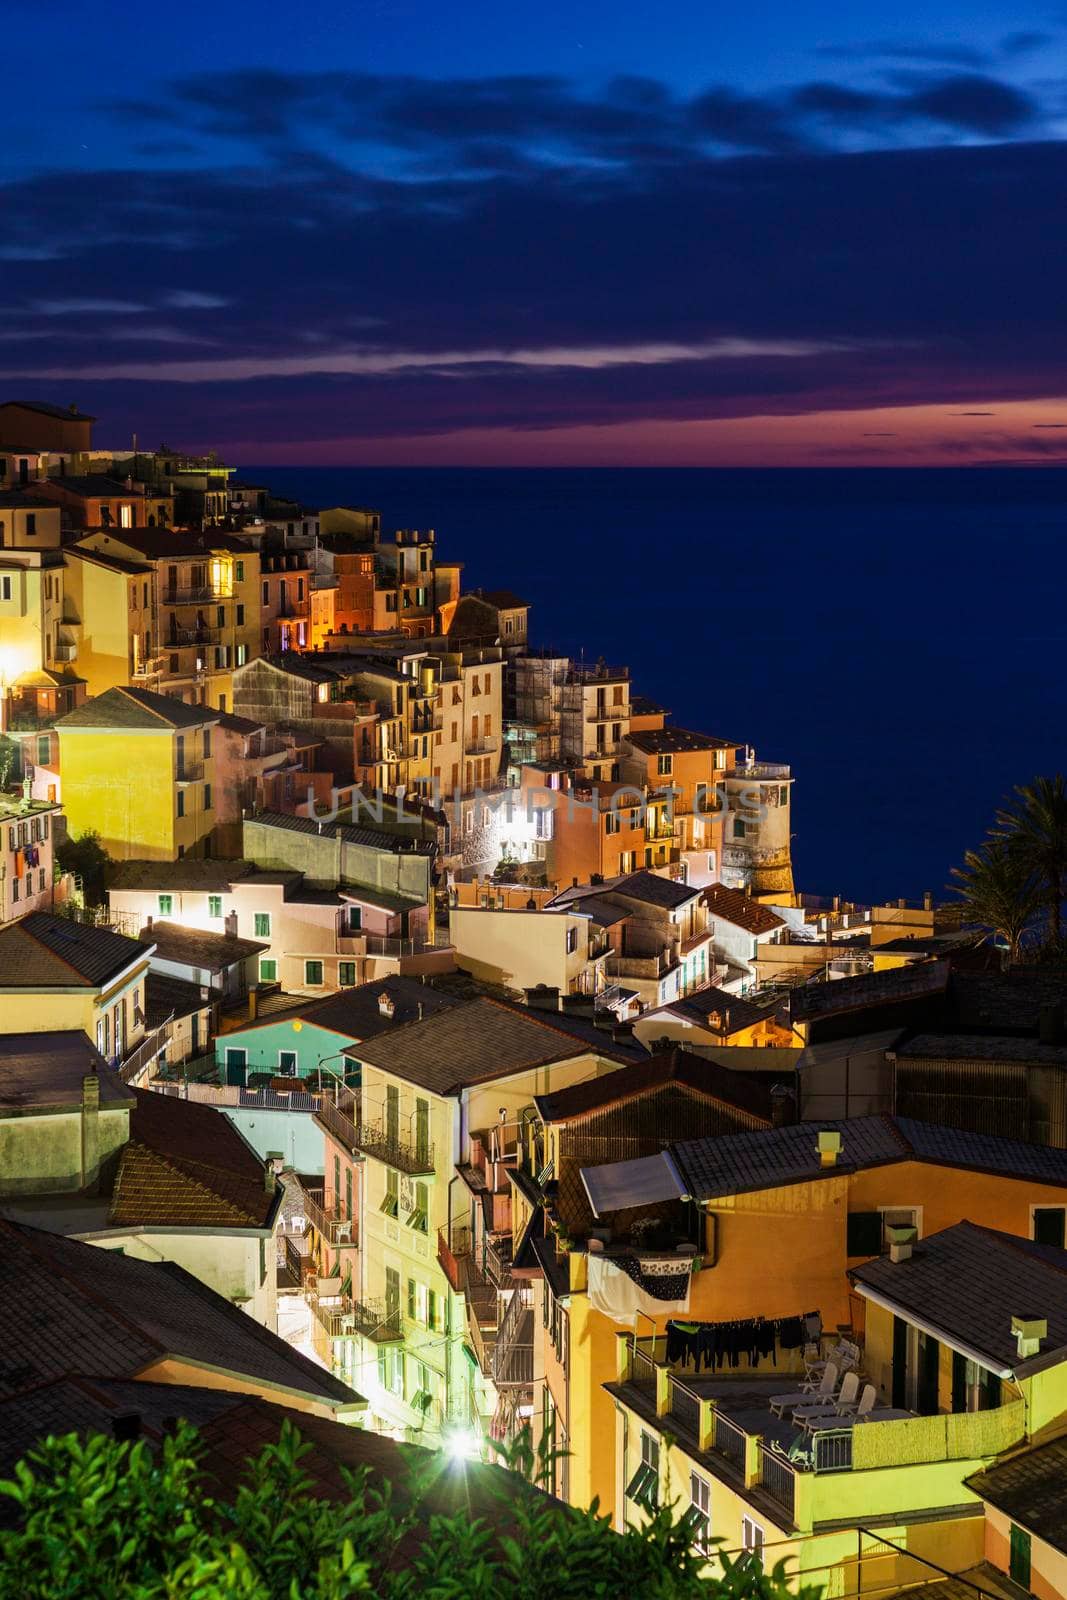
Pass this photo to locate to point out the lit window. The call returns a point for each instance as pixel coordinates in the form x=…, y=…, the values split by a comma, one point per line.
x=214, y=905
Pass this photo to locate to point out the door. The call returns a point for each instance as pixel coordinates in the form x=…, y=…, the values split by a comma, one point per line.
x=900, y=1364
x=392, y=1115
x=392, y=1292
x=1019, y=1558
x=236, y=1067
x=422, y=1129
x=928, y=1354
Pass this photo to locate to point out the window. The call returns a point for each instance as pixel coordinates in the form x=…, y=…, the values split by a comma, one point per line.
x=1047, y=1226
x=643, y=1487
x=346, y=974
x=412, y=1300
x=207, y=743
x=207, y=797
x=242, y=654
x=261, y=924
x=422, y=1130
x=391, y=1200
x=31, y=522
x=697, y=1520
x=313, y=974
x=419, y=1218
x=572, y=940
x=239, y=571
x=753, y=1539
x=5, y=588
x=181, y=802
x=739, y=828
x=287, y=1063
x=266, y=592
x=166, y=904
x=864, y=1235
x=612, y=822
x=214, y=905
x=431, y=1308
x=268, y=971
x=391, y=1371
x=664, y=766
x=1019, y=1556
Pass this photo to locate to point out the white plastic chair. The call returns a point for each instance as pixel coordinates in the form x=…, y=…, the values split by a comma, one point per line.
x=841, y=1405
x=781, y=1403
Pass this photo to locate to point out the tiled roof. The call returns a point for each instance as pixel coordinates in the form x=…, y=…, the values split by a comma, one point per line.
x=97, y=558
x=735, y=1011
x=776, y=1157
x=1003, y=1002
x=738, y=1089
x=166, y=997
x=186, y=1166
x=642, y=706
x=983, y=1047
x=194, y=947
x=503, y=599
x=482, y=1040
x=175, y=544
x=92, y=486
x=653, y=890
x=738, y=908
x=356, y=1012
x=43, y=1070
x=191, y=872
x=967, y=1282
x=67, y=1306
x=46, y=952
x=391, y=843
x=242, y=725
x=667, y=741
x=136, y=708
x=870, y=989
x=1031, y=1489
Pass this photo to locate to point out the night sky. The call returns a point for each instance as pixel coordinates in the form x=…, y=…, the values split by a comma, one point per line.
x=558, y=233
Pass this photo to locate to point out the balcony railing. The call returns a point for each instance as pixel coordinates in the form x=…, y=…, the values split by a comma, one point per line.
x=498, y=1261
x=451, y=1254
x=345, y=1318
x=413, y=1156
x=513, y=1350
x=188, y=597
x=191, y=770
x=147, y=1051
x=331, y=1223
x=761, y=769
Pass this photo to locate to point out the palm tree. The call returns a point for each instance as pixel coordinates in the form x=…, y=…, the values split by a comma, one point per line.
x=1035, y=828
x=999, y=892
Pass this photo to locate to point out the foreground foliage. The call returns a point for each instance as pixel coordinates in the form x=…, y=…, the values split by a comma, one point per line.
x=93, y=1519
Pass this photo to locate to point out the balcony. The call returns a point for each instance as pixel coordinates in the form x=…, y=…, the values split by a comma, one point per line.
x=150, y=667
x=728, y=1421
x=512, y=1358
x=204, y=595
x=413, y=1156
x=756, y=770
x=191, y=770
x=344, y=1318
x=481, y=747
x=630, y=966
x=498, y=1261
x=331, y=1223
x=184, y=638
x=65, y=652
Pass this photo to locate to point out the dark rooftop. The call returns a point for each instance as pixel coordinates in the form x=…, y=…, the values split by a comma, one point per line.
x=668, y=741
x=194, y=947
x=61, y=1301
x=968, y=1282
x=740, y=1090
x=357, y=1012
x=45, y=952
x=39, y=1071
x=127, y=707
x=651, y=889
x=67, y=413
x=1031, y=1489
x=485, y=1039
x=170, y=997
x=735, y=1012
x=983, y=1047
x=870, y=989
x=191, y=872
x=734, y=906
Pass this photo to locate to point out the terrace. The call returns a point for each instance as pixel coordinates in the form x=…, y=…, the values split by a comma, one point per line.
x=726, y=1425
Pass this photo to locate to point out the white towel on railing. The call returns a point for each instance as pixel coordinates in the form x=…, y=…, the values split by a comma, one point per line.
x=615, y=1294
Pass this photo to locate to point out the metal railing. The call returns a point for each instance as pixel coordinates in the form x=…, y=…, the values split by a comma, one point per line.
x=336, y=1228
x=831, y=1450
x=685, y=1407
x=760, y=769
x=498, y=1261
x=642, y=1369
x=147, y=1051
x=513, y=1351
x=729, y=1440
x=345, y=1318
x=779, y=1479
x=451, y=1253
x=414, y=1156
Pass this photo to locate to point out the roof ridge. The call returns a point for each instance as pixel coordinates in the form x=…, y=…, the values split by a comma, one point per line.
x=893, y=1124
x=1016, y=1244
x=543, y=1019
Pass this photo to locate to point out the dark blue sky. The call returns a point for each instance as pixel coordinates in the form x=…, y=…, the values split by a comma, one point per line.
x=554, y=233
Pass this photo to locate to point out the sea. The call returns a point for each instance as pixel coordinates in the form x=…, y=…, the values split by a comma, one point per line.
x=897, y=636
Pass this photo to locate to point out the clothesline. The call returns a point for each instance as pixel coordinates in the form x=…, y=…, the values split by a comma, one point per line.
x=713, y=1344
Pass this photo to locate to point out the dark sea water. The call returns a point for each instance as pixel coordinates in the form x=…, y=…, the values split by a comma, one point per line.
x=898, y=636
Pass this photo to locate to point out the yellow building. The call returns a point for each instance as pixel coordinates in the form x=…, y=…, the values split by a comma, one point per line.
x=187, y=630
x=138, y=772
x=111, y=603
x=33, y=637
x=788, y=1215
x=428, y=1319
x=58, y=975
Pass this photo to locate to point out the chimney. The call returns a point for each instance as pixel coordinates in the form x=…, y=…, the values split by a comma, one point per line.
x=1050, y=1022
x=828, y=1146
x=928, y=900
x=622, y=1032
x=837, y=902
x=545, y=997
x=901, y=1242
x=269, y=1175
x=386, y=1005
x=1029, y=1332
x=783, y=1106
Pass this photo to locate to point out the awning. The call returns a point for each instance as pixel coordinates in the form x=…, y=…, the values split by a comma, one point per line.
x=645, y=1182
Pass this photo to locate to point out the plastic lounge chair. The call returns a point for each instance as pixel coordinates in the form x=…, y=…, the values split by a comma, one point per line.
x=840, y=1405
x=781, y=1403
x=845, y=1355
x=865, y=1404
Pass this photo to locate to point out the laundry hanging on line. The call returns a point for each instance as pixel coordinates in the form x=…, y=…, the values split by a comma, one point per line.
x=716, y=1344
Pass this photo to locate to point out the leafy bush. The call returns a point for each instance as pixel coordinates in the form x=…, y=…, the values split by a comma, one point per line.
x=94, y=1519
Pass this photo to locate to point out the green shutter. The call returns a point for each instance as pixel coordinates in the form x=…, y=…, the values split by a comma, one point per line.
x=1019, y=1563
